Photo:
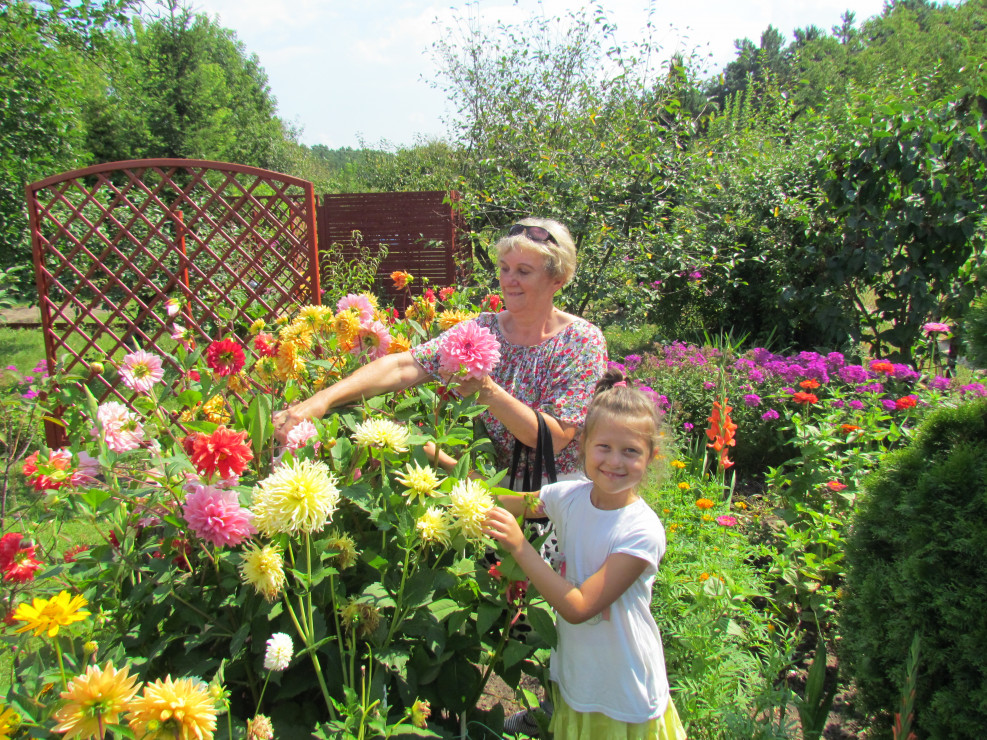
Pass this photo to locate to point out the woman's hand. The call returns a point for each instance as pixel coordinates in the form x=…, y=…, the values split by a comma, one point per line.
x=288, y=419
x=501, y=525
x=482, y=386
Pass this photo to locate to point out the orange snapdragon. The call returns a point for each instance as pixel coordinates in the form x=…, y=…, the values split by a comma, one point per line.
x=722, y=432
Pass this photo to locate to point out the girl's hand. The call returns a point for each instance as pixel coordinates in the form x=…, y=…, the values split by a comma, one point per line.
x=501, y=525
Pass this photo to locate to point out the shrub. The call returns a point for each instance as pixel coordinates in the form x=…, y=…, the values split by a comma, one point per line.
x=914, y=567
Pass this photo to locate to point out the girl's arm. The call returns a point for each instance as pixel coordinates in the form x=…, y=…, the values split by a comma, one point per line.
x=574, y=604
x=527, y=505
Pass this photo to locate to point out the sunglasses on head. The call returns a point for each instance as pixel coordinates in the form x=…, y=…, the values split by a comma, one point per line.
x=535, y=233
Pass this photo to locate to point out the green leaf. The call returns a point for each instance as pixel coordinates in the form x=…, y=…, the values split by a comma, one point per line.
x=543, y=623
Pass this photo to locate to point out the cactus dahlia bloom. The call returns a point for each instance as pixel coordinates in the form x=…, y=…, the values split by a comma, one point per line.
x=300, y=496
x=435, y=526
x=263, y=568
x=383, y=434
x=182, y=709
x=469, y=503
x=419, y=481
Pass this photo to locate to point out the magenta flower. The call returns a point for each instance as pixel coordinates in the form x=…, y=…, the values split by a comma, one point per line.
x=769, y=415
x=300, y=434
x=121, y=429
x=752, y=399
x=468, y=350
x=360, y=303
x=935, y=327
x=939, y=383
x=141, y=370
x=726, y=520
x=216, y=516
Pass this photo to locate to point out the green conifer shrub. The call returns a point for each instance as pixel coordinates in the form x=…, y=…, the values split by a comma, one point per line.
x=915, y=565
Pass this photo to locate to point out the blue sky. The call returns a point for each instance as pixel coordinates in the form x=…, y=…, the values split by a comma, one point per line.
x=352, y=71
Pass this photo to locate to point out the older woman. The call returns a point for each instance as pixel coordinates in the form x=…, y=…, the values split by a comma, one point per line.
x=550, y=360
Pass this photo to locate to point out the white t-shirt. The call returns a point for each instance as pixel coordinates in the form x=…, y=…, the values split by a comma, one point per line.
x=612, y=663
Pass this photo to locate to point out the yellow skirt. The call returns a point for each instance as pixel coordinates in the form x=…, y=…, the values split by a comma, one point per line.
x=568, y=724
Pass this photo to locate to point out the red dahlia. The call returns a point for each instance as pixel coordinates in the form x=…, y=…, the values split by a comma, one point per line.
x=224, y=451
x=225, y=357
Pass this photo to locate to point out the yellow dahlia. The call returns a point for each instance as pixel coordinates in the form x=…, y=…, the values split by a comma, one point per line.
x=257, y=327
x=469, y=503
x=47, y=615
x=173, y=710
x=422, y=311
x=216, y=410
x=299, y=333
x=371, y=298
x=95, y=699
x=300, y=496
x=399, y=343
x=266, y=369
x=435, y=526
x=346, y=325
x=263, y=568
x=448, y=319
x=419, y=481
x=9, y=722
x=238, y=383
x=382, y=433
x=289, y=364
x=312, y=316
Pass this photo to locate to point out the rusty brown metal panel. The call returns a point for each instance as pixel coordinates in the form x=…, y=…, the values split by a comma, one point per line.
x=418, y=228
x=114, y=241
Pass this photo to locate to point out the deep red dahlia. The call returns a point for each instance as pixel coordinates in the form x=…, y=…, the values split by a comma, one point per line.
x=17, y=559
x=224, y=451
x=225, y=357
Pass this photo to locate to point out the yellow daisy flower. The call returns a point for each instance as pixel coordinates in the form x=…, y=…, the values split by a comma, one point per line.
x=435, y=526
x=266, y=369
x=448, y=319
x=300, y=496
x=383, y=434
x=263, y=568
x=419, y=481
x=257, y=327
x=47, y=615
x=469, y=503
x=421, y=311
x=94, y=699
x=174, y=710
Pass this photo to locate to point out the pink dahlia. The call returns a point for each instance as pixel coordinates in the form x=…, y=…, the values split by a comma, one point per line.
x=184, y=336
x=172, y=307
x=141, y=370
x=372, y=338
x=121, y=429
x=216, y=516
x=300, y=435
x=360, y=303
x=225, y=357
x=87, y=471
x=468, y=350
x=935, y=327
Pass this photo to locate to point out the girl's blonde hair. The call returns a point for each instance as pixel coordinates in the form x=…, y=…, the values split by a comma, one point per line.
x=560, y=258
x=616, y=401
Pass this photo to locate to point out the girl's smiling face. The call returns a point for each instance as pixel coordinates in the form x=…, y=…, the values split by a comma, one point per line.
x=617, y=454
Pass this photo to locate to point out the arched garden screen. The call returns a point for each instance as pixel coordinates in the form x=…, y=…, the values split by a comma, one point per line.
x=112, y=243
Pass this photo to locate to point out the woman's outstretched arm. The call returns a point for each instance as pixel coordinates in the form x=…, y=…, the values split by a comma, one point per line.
x=386, y=374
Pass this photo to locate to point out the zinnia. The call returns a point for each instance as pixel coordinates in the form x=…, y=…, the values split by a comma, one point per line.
x=224, y=452
x=47, y=615
x=468, y=350
x=805, y=398
x=905, y=402
x=835, y=486
x=299, y=496
x=182, y=709
x=94, y=700
x=279, y=652
x=225, y=357
x=263, y=568
x=140, y=371
x=726, y=520
x=469, y=503
x=935, y=327
x=215, y=515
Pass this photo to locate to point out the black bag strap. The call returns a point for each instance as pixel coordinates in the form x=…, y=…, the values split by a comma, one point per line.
x=544, y=462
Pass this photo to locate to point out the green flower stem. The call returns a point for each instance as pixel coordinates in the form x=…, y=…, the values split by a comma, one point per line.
x=335, y=618
x=315, y=658
x=505, y=635
x=399, y=597
x=262, y=690
x=61, y=662
x=198, y=611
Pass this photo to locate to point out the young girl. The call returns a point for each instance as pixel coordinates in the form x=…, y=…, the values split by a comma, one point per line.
x=608, y=667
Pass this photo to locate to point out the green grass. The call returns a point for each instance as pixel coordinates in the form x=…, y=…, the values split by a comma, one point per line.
x=22, y=348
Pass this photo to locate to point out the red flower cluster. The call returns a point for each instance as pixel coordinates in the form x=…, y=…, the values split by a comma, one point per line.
x=446, y=293
x=224, y=451
x=805, y=398
x=50, y=474
x=491, y=303
x=906, y=402
x=430, y=295
x=225, y=357
x=265, y=344
x=17, y=561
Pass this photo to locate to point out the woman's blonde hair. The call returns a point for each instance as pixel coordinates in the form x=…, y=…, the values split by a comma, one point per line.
x=617, y=401
x=560, y=258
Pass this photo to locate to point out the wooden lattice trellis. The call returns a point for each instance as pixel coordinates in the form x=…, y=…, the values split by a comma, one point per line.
x=113, y=242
